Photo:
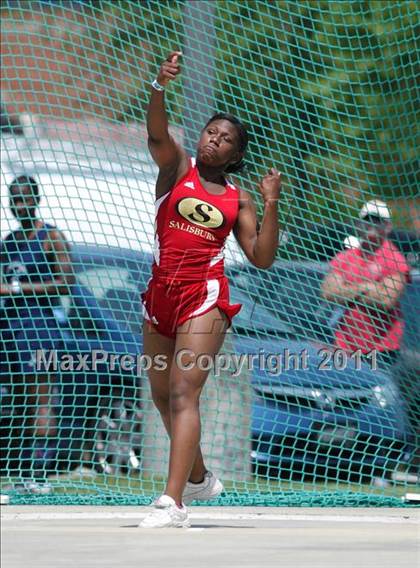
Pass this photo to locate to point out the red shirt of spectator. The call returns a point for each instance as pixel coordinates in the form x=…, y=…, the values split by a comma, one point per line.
x=370, y=327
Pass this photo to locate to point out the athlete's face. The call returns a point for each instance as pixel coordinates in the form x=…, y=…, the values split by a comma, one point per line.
x=218, y=144
x=23, y=203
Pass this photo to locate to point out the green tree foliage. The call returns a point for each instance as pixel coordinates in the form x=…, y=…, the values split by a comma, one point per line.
x=328, y=89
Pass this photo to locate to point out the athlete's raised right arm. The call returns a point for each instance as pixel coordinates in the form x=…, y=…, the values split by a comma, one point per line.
x=170, y=157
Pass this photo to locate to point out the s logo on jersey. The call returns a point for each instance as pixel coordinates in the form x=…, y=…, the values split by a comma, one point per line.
x=200, y=213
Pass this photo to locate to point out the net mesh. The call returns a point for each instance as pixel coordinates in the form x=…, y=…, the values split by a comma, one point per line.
x=329, y=93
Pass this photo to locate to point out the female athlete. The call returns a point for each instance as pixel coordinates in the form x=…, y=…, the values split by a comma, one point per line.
x=186, y=305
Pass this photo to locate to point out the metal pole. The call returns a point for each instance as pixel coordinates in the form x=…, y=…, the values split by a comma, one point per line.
x=198, y=68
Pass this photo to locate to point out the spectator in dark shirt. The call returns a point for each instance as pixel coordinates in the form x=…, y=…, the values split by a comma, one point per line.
x=36, y=270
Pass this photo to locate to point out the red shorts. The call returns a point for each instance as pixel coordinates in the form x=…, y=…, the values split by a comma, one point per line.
x=169, y=305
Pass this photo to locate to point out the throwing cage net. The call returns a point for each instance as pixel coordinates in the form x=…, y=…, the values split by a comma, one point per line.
x=329, y=93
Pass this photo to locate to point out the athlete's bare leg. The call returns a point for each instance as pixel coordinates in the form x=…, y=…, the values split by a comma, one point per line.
x=203, y=334
x=154, y=343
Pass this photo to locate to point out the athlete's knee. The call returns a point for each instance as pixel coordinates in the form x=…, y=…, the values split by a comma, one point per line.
x=162, y=402
x=183, y=397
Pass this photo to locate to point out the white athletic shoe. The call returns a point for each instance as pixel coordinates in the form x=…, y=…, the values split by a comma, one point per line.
x=209, y=488
x=165, y=514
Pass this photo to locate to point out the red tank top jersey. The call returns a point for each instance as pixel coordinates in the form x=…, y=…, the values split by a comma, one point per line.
x=191, y=227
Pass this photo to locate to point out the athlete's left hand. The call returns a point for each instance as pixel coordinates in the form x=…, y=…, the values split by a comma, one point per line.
x=270, y=186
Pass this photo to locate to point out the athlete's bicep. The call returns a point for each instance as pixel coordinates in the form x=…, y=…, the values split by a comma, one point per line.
x=246, y=226
x=165, y=153
x=173, y=162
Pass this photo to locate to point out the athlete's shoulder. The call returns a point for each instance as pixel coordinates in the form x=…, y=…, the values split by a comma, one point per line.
x=188, y=171
x=244, y=197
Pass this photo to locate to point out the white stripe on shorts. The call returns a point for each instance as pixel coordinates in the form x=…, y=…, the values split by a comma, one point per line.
x=213, y=289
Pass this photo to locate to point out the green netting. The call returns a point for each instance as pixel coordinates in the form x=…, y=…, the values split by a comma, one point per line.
x=329, y=92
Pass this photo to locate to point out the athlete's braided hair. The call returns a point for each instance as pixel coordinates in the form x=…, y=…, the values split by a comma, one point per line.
x=242, y=135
